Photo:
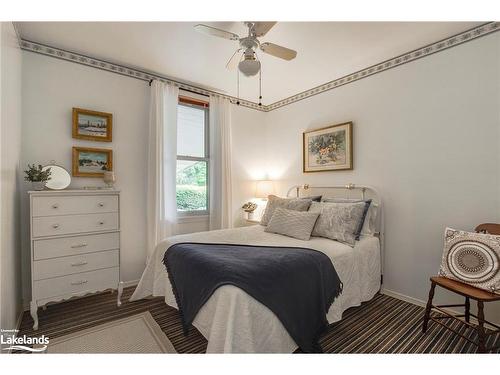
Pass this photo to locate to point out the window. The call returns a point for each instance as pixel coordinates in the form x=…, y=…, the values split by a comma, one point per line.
x=192, y=157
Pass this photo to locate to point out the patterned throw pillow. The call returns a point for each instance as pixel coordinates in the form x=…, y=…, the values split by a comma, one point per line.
x=292, y=223
x=338, y=221
x=273, y=202
x=472, y=258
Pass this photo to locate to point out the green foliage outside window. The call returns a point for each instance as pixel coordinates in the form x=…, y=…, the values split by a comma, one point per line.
x=191, y=187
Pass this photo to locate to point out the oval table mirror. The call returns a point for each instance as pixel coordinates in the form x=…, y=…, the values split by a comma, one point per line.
x=59, y=177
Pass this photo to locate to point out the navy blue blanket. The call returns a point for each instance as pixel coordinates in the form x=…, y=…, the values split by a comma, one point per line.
x=298, y=285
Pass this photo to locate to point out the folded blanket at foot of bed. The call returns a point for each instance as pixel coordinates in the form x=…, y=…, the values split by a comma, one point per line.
x=298, y=285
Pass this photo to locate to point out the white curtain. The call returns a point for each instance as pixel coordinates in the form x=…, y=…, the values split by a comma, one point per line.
x=220, y=163
x=162, y=159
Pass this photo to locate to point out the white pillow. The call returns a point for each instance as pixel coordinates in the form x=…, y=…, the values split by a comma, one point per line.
x=291, y=223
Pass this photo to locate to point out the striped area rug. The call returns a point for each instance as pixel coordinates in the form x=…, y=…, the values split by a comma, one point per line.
x=382, y=325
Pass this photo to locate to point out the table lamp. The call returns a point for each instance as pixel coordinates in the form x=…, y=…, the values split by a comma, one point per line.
x=263, y=188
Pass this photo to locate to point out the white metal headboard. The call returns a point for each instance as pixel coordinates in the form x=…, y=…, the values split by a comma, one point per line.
x=350, y=191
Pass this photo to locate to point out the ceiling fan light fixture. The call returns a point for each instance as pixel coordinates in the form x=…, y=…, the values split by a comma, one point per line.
x=249, y=67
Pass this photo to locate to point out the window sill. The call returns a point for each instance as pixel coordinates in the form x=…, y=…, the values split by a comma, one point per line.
x=191, y=219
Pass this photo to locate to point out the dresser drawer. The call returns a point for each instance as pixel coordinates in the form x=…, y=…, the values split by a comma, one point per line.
x=74, y=205
x=55, y=225
x=74, y=284
x=47, y=268
x=57, y=247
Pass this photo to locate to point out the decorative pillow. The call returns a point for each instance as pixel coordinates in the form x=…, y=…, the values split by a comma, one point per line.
x=472, y=258
x=370, y=222
x=274, y=202
x=338, y=221
x=292, y=223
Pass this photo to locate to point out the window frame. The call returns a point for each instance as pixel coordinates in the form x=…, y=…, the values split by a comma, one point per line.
x=198, y=104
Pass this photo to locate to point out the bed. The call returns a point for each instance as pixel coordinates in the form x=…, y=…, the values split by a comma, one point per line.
x=234, y=322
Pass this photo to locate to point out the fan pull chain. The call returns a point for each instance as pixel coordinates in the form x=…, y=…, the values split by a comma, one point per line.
x=238, y=88
x=260, y=87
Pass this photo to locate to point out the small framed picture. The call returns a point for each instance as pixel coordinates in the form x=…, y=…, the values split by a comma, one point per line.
x=328, y=149
x=91, y=162
x=92, y=125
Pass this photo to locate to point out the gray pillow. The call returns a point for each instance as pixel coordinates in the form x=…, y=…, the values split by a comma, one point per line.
x=369, y=227
x=292, y=223
x=273, y=202
x=368, y=202
x=338, y=221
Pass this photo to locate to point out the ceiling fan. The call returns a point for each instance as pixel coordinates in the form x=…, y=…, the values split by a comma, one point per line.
x=247, y=60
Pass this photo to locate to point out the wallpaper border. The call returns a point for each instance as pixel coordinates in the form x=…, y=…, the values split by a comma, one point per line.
x=394, y=62
x=59, y=53
x=452, y=41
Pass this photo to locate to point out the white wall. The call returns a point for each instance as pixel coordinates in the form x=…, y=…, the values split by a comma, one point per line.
x=10, y=136
x=51, y=88
x=426, y=134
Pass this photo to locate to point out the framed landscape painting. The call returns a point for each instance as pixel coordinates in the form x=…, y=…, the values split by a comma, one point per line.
x=91, y=162
x=92, y=125
x=328, y=149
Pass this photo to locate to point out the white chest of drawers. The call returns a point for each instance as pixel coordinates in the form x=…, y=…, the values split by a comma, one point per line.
x=75, y=245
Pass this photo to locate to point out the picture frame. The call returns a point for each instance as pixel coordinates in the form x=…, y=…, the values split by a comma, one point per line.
x=89, y=162
x=92, y=125
x=328, y=149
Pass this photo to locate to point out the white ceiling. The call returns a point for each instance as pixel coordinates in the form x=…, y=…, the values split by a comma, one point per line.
x=326, y=50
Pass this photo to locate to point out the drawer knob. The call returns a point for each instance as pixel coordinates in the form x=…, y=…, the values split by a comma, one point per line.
x=77, y=264
x=101, y=204
x=55, y=205
x=79, y=282
x=55, y=226
x=101, y=222
x=76, y=246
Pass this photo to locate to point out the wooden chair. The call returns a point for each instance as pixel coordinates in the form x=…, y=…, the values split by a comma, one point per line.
x=469, y=292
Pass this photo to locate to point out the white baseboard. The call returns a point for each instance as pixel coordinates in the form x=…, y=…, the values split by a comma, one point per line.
x=402, y=297
x=126, y=284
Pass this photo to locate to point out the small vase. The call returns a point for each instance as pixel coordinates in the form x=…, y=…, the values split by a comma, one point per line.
x=38, y=185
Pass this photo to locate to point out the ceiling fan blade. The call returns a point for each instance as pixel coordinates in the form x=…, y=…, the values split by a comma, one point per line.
x=234, y=60
x=261, y=28
x=278, y=51
x=216, y=32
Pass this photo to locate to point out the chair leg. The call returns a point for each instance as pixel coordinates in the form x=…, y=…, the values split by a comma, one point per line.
x=480, y=328
x=428, y=308
x=467, y=309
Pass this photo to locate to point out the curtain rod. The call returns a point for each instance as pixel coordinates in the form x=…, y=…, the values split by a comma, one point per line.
x=183, y=89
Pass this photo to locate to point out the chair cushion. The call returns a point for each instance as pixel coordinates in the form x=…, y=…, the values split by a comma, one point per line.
x=472, y=258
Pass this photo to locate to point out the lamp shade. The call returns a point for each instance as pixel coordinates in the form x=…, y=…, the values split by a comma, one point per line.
x=264, y=188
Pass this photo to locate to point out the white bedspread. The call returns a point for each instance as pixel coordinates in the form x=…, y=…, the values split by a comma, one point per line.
x=234, y=322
